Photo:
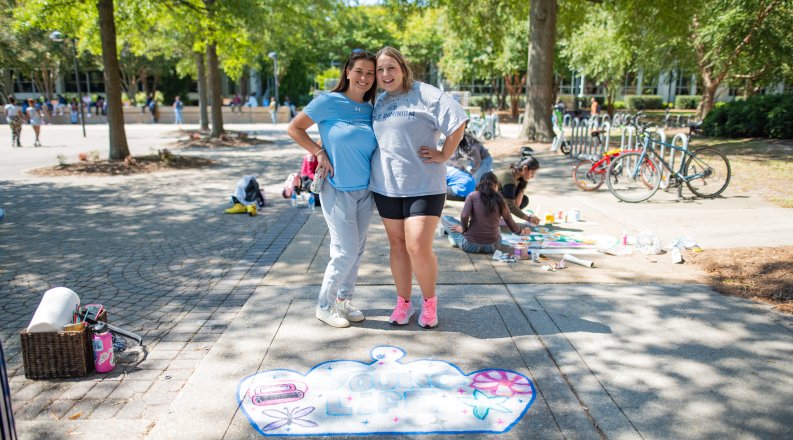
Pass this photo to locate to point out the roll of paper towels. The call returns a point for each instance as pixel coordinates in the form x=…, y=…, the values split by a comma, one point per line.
x=579, y=261
x=54, y=311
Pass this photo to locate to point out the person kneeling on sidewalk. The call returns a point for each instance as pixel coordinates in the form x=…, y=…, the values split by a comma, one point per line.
x=478, y=230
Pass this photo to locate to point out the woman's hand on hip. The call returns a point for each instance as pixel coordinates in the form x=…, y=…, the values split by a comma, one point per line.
x=431, y=155
x=324, y=168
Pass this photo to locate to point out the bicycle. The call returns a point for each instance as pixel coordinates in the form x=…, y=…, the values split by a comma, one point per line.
x=636, y=176
x=589, y=174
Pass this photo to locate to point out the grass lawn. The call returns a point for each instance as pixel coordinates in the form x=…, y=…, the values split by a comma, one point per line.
x=759, y=166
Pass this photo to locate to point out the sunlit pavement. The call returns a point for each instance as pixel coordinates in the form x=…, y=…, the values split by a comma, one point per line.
x=636, y=347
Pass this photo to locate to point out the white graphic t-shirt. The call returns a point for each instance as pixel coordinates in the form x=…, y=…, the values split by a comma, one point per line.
x=402, y=123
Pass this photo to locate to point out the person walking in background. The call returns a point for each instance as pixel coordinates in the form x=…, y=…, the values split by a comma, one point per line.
x=87, y=103
x=594, y=107
x=74, y=111
x=478, y=229
x=14, y=119
x=273, y=110
x=177, y=110
x=62, y=104
x=34, y=117
x=151, y=104
x=291, y=106
x=512, y=182
x=409, y=177
x=344, y=119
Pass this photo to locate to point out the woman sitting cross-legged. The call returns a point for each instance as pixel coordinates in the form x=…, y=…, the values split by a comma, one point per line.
x=478, y=231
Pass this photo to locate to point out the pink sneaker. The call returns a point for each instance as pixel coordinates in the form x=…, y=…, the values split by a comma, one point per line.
x=429, y=314
x=402, y=312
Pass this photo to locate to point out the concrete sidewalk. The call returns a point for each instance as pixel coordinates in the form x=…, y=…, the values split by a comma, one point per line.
x=635, y=348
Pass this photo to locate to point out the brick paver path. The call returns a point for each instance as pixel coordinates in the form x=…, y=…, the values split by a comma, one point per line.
x=158, y=252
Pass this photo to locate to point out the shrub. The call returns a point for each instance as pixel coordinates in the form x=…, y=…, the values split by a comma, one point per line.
x=758, y=116
x=780, y=119
x=140, y=98
x=619, y=105
x=687, y=102
x=644, y=102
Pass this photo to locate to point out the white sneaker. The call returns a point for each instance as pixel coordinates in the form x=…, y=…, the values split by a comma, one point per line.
x=331, y=317
x=346, y=310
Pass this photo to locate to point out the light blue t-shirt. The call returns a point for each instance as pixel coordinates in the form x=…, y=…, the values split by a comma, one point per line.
x=404, y=122
x=345, y=127
x=460, y=182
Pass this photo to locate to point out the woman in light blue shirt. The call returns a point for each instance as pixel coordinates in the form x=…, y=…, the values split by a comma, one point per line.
x=344, y=119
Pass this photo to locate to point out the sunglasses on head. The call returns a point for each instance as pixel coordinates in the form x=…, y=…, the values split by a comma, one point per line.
x=363, y=51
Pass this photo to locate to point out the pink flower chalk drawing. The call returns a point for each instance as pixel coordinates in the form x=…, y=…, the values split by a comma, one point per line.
x=501, y=383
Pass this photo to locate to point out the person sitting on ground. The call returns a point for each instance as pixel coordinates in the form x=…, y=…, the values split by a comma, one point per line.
x=472, y=150
x=512, y=182
x=308, y=171
x=458, y=184
x=236, y=103
x=478, y=229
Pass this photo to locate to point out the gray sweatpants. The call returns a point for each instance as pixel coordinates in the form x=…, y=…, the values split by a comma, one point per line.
x=348, y=215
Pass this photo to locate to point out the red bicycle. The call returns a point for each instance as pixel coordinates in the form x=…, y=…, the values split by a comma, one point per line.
x=589, y=174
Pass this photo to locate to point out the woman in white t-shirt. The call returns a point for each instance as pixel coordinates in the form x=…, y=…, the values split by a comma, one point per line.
x=409, y=176
x=14, y=119
x=34, y=119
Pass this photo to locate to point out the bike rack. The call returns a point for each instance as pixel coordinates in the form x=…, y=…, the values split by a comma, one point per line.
x=628, y=138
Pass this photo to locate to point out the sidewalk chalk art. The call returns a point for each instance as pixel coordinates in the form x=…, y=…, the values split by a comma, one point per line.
x=386, y=396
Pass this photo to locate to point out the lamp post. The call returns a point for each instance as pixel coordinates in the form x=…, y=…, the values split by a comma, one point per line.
x=58, y=37
x=274, y=56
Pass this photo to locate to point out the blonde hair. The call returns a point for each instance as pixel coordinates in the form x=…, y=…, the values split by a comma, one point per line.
x=407, y=74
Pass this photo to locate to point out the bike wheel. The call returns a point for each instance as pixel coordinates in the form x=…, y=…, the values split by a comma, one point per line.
x=565, y=147
x=587, y=178
x=709, y=172
x=633, y=181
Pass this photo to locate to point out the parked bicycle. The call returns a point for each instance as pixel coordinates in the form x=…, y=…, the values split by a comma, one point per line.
x=589, y=173
x=636, y=176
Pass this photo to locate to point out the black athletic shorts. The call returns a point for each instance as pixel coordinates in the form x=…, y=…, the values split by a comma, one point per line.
x=400, y=208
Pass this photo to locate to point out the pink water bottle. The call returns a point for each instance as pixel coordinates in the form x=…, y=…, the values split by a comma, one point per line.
x=104, y=360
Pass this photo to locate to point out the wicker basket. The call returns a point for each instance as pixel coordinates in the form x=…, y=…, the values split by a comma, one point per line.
x=58, y=354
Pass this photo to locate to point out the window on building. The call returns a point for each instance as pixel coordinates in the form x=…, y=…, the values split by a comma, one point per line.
x=629, y=86
x=683, y=84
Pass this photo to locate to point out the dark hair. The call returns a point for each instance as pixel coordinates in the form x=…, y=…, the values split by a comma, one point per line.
x=491, y=198
x=344, y=83
x=407, y=73
x=11, y=99
x=530, y=162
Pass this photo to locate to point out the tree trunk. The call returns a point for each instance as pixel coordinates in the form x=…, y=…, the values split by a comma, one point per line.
x=707, y=102
x=539, y=83
x=115, y=113
x=202, y=90
x=514, y=85
x=130, y=83
x=214, y=88
x=144, y=81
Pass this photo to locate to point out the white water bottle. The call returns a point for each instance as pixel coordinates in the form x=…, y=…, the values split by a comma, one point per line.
x=294, y=198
